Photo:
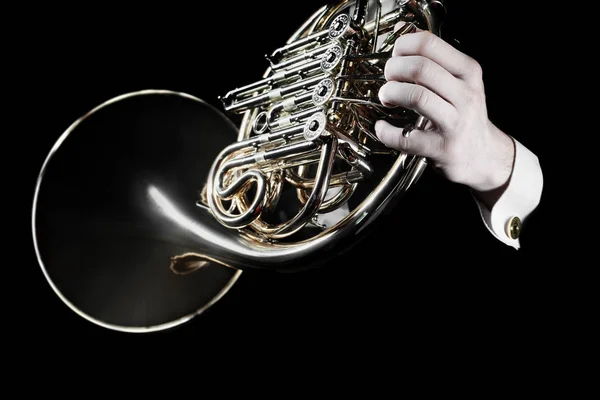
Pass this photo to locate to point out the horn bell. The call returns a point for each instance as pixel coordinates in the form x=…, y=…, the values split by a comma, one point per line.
x=102, y=240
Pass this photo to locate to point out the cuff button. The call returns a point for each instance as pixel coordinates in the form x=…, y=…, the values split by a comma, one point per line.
x=513, y=228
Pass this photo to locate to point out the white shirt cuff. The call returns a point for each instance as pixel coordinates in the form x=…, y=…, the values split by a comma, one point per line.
x=520, y=198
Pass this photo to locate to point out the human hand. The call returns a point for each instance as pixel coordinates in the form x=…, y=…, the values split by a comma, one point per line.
x=429, y=76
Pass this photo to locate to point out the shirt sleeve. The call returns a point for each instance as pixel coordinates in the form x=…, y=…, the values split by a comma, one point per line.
x=519, y=200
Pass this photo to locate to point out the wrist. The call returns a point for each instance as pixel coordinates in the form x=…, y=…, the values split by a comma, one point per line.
x=497, y=169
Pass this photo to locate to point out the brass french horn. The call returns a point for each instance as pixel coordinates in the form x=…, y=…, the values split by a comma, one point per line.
x=150, y=206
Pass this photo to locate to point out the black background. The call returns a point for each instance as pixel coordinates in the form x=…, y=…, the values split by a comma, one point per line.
x=432, y=271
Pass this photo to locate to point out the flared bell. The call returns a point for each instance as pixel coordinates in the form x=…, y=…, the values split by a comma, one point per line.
x=101, y=239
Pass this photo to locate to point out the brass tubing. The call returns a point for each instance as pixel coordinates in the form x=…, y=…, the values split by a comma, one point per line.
x=261, y=156
x=360, y=12
x=329, y=204
x=294, y=118
x=274, y=94
x=302, y=57
x=340, y=179
x=312, y=205
x=281, y=76
x=309, y=40
x=287, y=105
x=386, y=22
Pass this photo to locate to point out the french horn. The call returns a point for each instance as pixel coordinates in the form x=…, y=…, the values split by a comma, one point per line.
x=149, y=207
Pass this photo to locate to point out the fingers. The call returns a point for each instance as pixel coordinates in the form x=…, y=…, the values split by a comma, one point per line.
x=422, y=143
x=427, y=73
x=428, y=45
x=421, y=100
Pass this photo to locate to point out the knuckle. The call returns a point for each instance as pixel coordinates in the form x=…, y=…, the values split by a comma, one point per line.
x=417, y=97
x=474, y=68
x=420, y=69
x=474, y=97
x=426, y=41
x=453, y=123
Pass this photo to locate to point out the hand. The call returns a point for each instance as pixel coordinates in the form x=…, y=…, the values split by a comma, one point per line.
x=429, y=76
